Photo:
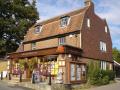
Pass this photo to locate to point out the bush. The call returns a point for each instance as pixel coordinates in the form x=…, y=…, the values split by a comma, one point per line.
x=96, y=76
x=105, y=80
x=111, y=75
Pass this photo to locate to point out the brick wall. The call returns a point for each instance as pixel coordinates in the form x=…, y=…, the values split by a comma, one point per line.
x=92, y=36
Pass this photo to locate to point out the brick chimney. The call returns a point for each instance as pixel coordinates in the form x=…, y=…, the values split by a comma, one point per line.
x=88, y=3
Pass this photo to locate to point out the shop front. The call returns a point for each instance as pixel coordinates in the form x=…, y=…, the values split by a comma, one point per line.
x=60, y=64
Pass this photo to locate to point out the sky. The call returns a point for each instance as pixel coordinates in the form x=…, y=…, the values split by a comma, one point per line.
x=106, y=9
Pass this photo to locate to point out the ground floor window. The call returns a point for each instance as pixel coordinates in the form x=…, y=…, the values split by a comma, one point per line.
x=111, y=66
x=72, y=66
x=103, y=65
x=77, y=72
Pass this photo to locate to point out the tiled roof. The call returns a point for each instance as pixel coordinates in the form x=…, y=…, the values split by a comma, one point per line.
x=52, y=27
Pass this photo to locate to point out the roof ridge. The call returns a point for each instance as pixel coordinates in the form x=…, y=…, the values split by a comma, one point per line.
x=64, y=14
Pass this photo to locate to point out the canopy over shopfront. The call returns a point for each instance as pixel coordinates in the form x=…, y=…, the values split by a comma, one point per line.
x=62, y=62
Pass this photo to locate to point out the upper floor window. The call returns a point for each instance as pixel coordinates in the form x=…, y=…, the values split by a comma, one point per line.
x=106, y=29
x=38, y=29
x=103, y=65
x=88, y=23
x=61, y=40
x=64, y=21
x=103, y=46
x=33, y=45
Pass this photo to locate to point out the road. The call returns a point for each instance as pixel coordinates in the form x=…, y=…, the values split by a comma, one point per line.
x=115, y=86
x=5, y=86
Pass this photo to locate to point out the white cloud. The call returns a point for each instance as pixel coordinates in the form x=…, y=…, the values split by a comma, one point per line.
x=115, y=31
x=51, y=8
x=110, y=11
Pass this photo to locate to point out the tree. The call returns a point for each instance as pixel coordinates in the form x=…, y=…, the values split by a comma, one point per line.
x=116, y=54
x=16, y=16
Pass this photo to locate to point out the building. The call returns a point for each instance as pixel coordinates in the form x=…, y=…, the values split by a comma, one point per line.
x=63, y=46
x=117, y=69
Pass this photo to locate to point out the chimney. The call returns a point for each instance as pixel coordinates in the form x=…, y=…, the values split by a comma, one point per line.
x=88, y=3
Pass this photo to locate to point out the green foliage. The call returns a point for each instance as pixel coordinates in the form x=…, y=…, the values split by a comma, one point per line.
x=29, y=64
x=32, y=63
x=16, y=16
x=116, y=54
x=22, y=64
x=96, y=76
x=111, y=74
x=105, y=80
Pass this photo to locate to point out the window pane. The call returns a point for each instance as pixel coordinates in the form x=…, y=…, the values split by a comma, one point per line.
x=33, y=46
x=88, y=22
x=64, y=21
x=72, y=67
x=62, y=41
x=78, y=73
x=106, y=29
x=38, y=29
x=103, y=46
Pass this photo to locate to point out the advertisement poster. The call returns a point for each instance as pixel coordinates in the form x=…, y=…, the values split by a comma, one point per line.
x=72, y=66
x=78, y=72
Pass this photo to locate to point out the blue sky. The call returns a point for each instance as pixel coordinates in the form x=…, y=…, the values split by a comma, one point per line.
x=108, y=9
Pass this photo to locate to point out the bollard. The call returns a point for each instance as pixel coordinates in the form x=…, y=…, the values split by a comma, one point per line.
x=20, y=77
x=49, y=79
x=1, y=75
x=33, y=78
x=9, y=76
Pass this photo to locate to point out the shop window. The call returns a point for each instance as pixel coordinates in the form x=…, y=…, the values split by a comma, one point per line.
x=72, y=68
x=83, y=72
x=78, y=72
x=61, y=63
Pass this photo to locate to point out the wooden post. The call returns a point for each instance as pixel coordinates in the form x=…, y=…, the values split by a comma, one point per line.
x=1, y=75
x=49, y=79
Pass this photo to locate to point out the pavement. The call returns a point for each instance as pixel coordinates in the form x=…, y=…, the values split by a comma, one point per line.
x=27, y=85
x=6, y=86
x=114, y=86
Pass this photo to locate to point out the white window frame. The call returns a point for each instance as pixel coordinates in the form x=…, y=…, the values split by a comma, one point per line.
x=110, y=66
x=106, y=29
x=103, y=46
x=61, y=41
x=33, y=45
x=103, y=65
x=88, y=23
x=65, y=21
x=38, y=29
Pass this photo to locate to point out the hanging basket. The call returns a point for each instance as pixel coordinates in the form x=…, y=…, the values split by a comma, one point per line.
x=61, y=49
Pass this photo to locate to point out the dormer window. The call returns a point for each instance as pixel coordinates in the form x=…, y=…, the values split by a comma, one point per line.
x=88, y=23
x=64, y=21
x=106, y=29
x=38, y=29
